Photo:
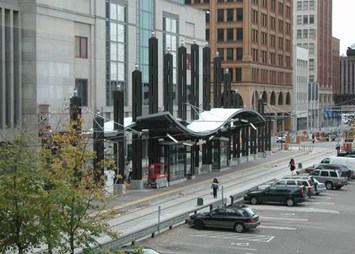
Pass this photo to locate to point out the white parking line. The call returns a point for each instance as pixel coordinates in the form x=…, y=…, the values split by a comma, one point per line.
x=275, y=227
x=234, y=236
x=213, y=245
x=283, y=218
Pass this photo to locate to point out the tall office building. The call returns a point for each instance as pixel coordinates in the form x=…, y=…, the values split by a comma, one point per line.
x=313, y=31
x=254, y=40
x=53, y=49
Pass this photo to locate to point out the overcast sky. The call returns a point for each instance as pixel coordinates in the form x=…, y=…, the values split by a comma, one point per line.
x=343, y=23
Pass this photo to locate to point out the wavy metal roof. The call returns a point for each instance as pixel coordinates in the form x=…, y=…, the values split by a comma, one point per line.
x=208, y=123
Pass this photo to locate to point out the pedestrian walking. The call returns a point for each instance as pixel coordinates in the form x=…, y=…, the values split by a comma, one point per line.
x=215, y=187
x=337, y=147
x=292, y=165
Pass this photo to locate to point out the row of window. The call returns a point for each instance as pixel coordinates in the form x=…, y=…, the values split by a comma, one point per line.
x=271, y=77
x=309, y=46
x=306, y=33
x=228, y=15
x=264, y=22
x=306, y=5
x=207, y=1
x=305, y=19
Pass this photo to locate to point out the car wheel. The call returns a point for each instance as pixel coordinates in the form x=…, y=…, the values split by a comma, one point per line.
x=338, y=187
x=199, y=224
x=254, y=200
x=290, y=202
x=329, y=185
x=239, y=227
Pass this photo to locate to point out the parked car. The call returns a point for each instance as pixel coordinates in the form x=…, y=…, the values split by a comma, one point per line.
x=332, y=178
x=282, y=194
x=349, y=173
x=134, y=249
x=239, y=218
x=291, y=181
x=338, y=160
x=319, y=187
x=300, y=180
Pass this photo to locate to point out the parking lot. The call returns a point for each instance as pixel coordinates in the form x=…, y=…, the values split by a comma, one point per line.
x=324, y=224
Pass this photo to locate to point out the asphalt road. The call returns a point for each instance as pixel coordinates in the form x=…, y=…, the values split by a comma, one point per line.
x=324, y=224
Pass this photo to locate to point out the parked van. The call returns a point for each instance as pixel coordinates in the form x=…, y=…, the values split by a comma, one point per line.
x=346, y=161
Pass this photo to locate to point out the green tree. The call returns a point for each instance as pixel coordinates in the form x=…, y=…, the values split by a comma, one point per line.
x=76, y=205
x=19, y=190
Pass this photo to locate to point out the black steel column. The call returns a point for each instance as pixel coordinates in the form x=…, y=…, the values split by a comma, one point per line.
x=75, y=112
x=153, y=75
x=206, y=78
x=238, y=130
x=118, y=114
x=247, y=133
x=217, y=68
x=268, y=135
x=244, y=137
x=227, y=91
x=98, y=145
x=168, y=82
x=195, y=80
x=182, y=80
x=136, y=111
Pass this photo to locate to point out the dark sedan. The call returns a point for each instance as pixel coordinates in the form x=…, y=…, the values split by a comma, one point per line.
x=238, y=218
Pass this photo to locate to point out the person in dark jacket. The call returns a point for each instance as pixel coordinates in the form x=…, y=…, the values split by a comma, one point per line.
x=292, y=165
x=215, y=187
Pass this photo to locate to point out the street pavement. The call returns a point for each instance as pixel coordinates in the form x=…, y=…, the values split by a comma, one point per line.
x=140, y=209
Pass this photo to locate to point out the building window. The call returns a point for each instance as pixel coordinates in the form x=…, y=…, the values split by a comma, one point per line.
x=239, y=34
x=239, y=14
x=116, y=43
x=299, y=19
x=311, y=64
x=207, y=34
x=305, y=5
x=299, y=33
x=230, y=15
x=239, y=54
x=312, y=33
x=230, y=54
x=230, y=36
x=220, y=34
x=311, y=19
x=299, y=5
x=170, y=41
x=264, y=20
x=81, y=87
x=272, y=23
x=311, y=4
x=220, y=15
x=238, y=74
x=263, y=38
x=305, y=33
x=272, y=58
x=311, y=48
x=305, y=19
x=81, y=47
x=254, y=17
x=272, y=41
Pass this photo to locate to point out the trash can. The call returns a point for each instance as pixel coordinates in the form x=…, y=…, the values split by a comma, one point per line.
x=199, y=201
x=299, y=165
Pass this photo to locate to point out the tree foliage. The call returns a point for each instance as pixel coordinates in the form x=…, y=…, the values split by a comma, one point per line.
x=49, y=197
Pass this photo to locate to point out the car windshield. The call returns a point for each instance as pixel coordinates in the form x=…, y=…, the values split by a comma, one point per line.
x=149, y=251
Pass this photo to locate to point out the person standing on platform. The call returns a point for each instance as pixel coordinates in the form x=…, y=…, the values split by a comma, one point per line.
x=292, y=165
x=215, y=187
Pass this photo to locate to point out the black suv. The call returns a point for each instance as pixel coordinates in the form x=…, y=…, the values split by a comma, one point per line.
x=286, y=194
